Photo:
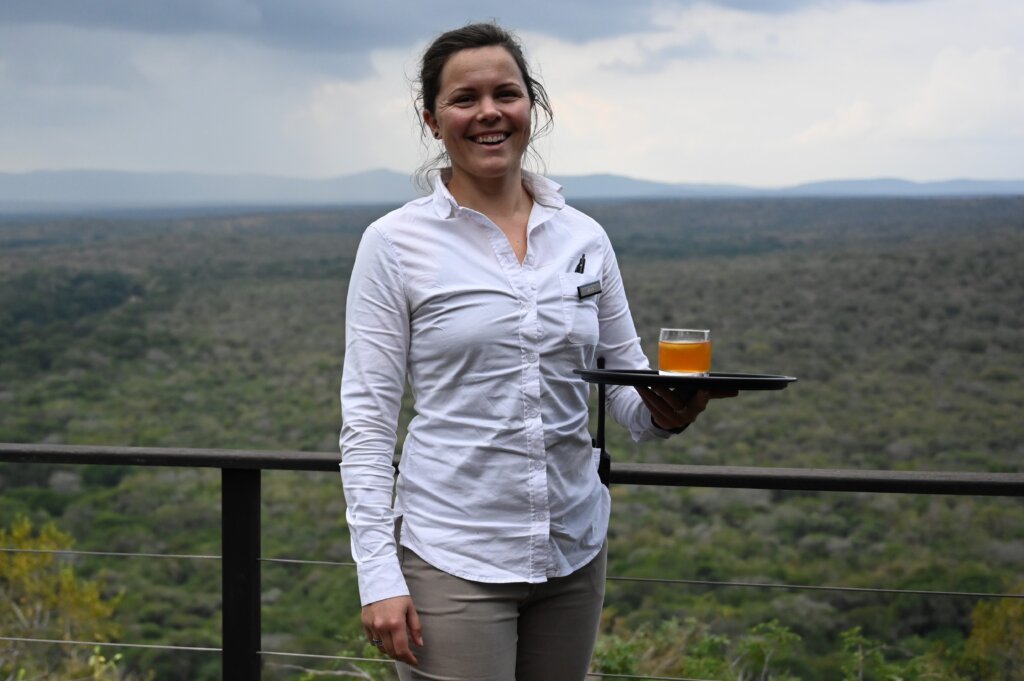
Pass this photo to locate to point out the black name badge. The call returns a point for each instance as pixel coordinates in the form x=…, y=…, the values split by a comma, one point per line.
x=587, y=290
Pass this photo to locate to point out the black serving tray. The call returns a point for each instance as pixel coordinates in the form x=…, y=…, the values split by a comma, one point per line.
x=715, y=379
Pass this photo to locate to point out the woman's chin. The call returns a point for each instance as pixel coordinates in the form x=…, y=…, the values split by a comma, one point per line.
x=491, y=170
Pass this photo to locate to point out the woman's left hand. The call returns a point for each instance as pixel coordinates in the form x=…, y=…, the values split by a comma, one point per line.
x=672, y=411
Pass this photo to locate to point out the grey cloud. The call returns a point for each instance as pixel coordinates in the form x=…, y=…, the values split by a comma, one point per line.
x=352, y=26
x=302, y=24
x=66, y=59
x=655, y=60
x=784, y=6
x=326, y=25
x=772, y=7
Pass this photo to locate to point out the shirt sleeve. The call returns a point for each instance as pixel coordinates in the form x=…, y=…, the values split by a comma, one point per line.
x=620, y=345
x=373, y=378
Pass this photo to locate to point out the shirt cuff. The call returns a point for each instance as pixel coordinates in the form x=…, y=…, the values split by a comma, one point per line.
x=380, y=579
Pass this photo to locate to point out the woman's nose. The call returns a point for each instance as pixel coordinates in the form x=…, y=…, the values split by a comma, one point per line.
x=488, y=109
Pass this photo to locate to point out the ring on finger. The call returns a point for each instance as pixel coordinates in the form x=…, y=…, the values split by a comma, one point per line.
x=377, y=642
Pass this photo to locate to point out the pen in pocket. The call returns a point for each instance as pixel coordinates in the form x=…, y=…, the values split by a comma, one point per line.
x=582, y=264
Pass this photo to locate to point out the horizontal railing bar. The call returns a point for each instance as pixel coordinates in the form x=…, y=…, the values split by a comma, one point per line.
x=152, y=646
x=808, y=587
x=644, y=678
x=820, y=479
x=311, y=656
x=672, y=475
x=169, y=456
x=116, y=554
x=299, y=561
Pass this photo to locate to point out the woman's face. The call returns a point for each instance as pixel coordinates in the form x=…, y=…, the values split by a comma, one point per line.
x=482, y=112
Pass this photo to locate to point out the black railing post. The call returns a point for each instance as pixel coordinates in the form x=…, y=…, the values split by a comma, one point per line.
x=604, y=464
x=240, y=538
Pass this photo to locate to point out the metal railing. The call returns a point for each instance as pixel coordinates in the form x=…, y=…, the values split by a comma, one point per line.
x=240, y=515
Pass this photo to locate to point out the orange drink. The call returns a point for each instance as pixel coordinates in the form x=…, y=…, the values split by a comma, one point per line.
x=684, y=351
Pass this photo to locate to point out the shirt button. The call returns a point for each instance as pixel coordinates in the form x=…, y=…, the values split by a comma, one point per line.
x=531, y=357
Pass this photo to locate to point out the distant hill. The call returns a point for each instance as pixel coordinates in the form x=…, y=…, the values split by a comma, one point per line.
x=73, y=189
x=83, y=189
x=617, y=186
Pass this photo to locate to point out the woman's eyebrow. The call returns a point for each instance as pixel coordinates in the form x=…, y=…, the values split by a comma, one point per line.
x=472, y=88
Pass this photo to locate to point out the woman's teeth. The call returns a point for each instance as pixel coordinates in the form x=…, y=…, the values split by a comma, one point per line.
x=490, y=139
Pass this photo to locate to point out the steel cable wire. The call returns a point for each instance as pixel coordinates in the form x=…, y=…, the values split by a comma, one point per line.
x=652, y=580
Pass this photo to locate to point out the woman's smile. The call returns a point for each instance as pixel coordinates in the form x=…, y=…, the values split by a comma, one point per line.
x=491, y=139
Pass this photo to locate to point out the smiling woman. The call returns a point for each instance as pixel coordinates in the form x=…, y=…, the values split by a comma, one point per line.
x=474, y=294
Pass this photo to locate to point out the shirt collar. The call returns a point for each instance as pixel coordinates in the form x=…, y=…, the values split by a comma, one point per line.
x=544, y=191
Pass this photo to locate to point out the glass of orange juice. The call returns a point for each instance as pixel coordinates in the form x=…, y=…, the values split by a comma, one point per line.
x=684, y=352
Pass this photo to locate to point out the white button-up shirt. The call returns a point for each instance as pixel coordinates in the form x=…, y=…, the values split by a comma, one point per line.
x=498, y=477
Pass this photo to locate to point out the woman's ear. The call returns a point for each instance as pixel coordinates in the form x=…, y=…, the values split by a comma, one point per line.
x=428, y=119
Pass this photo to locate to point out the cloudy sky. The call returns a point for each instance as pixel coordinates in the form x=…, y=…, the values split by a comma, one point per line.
x=763, y=93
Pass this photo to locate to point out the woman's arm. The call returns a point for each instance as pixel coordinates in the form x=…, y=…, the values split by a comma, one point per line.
x=647, y=413
x=373, y=378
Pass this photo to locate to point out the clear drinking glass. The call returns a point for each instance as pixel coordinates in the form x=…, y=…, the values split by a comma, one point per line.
x=685, y=352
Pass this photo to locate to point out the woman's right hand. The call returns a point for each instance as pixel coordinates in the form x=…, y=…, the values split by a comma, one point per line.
x=393, y=621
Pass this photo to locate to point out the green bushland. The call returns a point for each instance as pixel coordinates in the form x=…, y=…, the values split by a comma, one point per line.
x=903, y=320
x=43, y=598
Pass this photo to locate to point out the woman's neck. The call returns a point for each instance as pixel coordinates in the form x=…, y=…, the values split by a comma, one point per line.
x=498, y=197
x=504, y=200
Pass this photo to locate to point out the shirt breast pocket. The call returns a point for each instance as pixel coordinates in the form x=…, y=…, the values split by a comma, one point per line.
x=580, y=314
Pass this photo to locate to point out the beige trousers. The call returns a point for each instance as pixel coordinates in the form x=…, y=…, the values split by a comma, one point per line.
x=504, y=632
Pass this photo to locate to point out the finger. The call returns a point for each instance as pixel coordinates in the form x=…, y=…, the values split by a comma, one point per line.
x=377, y=641
x=698, y=403
x=661, y=399
x=415, y=630
x=676, y=399
x=662, y=414
x=397, y=644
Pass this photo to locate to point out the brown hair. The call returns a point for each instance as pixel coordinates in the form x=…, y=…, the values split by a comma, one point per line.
x=468, y=37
